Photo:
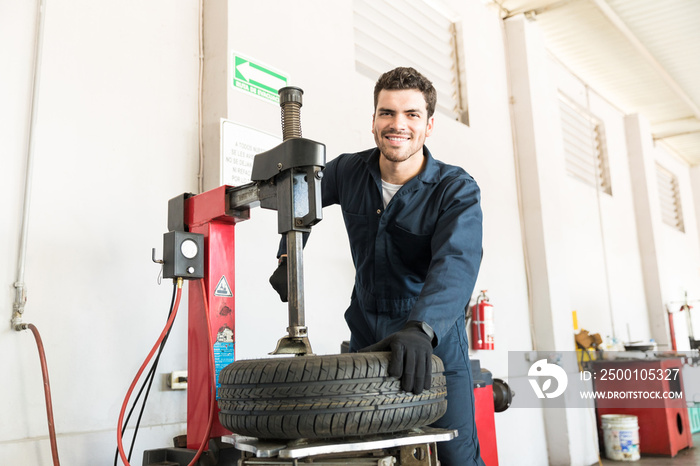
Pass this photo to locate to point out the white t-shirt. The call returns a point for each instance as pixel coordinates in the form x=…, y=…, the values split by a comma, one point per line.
x=388, y=191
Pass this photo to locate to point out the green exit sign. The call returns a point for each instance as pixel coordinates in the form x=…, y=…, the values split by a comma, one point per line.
x=253, y=77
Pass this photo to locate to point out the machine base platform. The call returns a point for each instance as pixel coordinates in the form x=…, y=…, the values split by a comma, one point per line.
x=219, y=454
x=410, y=448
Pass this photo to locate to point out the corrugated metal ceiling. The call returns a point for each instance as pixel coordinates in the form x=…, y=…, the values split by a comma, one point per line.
x=641, y=55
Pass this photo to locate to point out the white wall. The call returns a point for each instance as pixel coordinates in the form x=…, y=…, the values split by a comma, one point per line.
x=669, y=257
x=603, y=261
x=116, y=137
x=695, y=186
x=679, y=254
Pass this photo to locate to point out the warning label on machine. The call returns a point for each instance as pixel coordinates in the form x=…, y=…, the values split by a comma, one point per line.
x=222, y=289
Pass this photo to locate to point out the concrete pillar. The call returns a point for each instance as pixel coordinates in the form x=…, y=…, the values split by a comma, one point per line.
x=541, y=171
x=648, y=217
x=695, y=186
x=541, y=168
x=214, y=87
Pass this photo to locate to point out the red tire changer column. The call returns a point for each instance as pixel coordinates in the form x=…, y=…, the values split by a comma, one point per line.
x=206, y=214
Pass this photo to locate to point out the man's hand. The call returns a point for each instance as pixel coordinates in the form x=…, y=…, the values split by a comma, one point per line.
x=411, y=356
x=278, y=280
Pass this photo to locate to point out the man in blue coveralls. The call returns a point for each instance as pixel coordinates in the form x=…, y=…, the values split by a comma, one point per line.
x=414, y=225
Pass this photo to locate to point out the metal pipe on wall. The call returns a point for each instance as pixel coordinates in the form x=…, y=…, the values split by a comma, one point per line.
x=20, y=288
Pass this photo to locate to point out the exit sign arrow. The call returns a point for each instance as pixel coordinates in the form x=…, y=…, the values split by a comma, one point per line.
x=260, y=80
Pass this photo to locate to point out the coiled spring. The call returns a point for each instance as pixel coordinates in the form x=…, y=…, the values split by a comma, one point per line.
x=290, y=101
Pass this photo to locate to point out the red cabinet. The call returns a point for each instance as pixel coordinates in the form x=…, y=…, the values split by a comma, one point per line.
x=664, y=427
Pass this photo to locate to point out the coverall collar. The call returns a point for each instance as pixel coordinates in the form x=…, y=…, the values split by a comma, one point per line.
x=430, y=173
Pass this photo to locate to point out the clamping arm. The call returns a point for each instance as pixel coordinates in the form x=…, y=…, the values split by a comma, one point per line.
x=287, y=179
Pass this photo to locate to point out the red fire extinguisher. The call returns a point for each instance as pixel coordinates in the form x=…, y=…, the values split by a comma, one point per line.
x=482, y=323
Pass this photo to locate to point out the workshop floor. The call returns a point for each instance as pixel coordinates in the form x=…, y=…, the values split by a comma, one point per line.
x=687, y=457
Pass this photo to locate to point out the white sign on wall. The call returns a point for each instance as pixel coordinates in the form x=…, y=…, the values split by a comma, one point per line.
x=239, y=145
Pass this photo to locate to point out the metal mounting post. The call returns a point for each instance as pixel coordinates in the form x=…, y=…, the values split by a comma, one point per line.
x=287, y=178
x=297, y=341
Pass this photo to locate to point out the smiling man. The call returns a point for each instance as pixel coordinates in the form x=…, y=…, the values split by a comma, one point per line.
x=414, y=225
x=400, y=125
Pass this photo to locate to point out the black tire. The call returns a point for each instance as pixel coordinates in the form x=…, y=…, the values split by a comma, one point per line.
x=324, y=397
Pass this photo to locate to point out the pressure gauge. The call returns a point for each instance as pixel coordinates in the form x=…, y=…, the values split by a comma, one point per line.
x=189, y=248
x=183, y=255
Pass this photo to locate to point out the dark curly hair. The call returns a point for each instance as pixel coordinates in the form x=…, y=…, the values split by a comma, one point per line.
x=407, y=78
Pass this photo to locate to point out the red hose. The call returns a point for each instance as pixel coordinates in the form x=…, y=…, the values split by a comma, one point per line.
x=169, y=324
x=212, y=366
x=47, y=393
x=212, y=373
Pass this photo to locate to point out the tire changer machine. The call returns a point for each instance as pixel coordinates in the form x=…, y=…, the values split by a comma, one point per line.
x=200, y=245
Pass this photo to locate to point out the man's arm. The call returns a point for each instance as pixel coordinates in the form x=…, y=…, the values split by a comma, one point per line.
x=456, y=256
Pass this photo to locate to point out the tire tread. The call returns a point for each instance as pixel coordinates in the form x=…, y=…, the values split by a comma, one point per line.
x=324, y=397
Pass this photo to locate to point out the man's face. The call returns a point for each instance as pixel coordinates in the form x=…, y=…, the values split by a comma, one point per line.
x=400, y=123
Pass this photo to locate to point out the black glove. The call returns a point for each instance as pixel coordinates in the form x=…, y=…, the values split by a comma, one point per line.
x=278, y=280
x=411, y=356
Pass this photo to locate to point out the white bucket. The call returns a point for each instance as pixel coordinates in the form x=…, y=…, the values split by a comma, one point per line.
x=621, y=435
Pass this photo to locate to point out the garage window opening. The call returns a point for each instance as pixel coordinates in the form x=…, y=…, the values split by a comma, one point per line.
x=418, y=33
x=585, y=150
x=670, y=199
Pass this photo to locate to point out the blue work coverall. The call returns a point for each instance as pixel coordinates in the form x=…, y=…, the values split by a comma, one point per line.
x=418, y=259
